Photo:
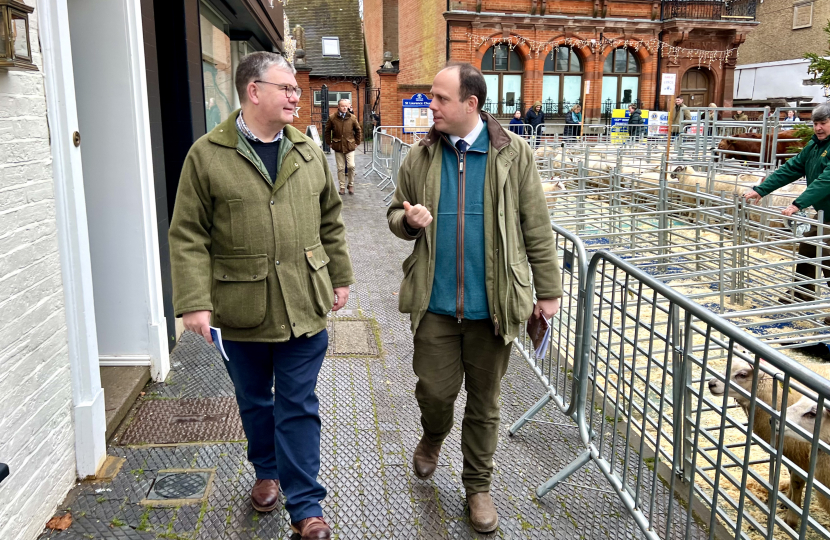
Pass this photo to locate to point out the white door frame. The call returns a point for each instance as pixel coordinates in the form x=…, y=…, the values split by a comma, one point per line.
x=73, y=240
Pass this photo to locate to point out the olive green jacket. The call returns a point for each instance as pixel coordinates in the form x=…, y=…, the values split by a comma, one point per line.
x=263, y=256
x=517, y=229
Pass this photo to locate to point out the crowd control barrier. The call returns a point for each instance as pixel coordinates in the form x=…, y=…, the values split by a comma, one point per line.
x=684, y=414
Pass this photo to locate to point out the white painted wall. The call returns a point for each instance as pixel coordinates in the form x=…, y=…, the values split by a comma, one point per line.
x=775, y=80
x=36, y=432
x=111, y=96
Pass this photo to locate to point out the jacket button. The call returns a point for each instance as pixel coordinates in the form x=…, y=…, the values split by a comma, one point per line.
x=272, y=203
x=278, y=263
x=225, y=276
x=282, y=326
x=254, y=277
x=296, y=164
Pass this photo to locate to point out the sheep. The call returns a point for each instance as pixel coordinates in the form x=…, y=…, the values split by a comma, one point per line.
x=734, y=183
x=797, y=451
x=803, y=414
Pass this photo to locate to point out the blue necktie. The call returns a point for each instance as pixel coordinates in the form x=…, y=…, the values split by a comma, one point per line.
x=462, y=145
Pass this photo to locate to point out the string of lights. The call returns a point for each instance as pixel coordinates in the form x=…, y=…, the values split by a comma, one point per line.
x=598, y=46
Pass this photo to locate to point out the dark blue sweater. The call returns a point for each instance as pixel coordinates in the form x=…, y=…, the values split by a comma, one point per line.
x=444, y=285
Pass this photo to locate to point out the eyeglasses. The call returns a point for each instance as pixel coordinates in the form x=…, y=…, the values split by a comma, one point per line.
x=287, y=88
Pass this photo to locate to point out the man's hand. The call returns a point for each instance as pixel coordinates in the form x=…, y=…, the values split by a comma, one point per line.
x=341, y=296
x=752, y=196
x=547, y=307
x=199, y=323
x=417, y=217
x=790, y=210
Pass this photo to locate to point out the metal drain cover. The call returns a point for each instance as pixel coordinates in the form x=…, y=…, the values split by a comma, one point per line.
x=179, y=486
x=170, y=421
x=352, y=337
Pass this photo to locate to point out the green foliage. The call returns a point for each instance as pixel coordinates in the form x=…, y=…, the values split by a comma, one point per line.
x=819, y=67
x=803, y=132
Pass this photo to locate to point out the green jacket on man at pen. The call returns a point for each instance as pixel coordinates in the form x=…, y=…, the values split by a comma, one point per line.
x=811, y=163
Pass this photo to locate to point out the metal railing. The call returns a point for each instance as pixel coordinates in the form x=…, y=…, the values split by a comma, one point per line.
x=654, y=376
x=712, y=10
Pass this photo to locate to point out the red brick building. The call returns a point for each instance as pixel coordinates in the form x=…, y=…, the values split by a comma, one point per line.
x=549, y=51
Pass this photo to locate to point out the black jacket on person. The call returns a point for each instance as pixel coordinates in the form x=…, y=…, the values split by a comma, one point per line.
x=535, y=118
x=635, y=123
x=517, y=126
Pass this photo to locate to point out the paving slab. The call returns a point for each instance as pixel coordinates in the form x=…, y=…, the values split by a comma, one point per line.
x=370, y=428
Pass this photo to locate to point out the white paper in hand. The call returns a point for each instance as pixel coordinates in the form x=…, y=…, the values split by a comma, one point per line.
x=216, y=334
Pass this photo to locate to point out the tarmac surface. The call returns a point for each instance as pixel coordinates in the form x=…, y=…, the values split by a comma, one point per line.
x=192, y=481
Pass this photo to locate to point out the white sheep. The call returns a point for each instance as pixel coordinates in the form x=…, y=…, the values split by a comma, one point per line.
x=803, y=414
x=797, y=451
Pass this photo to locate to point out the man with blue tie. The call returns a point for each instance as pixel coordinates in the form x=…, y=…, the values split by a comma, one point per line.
x=467, y=284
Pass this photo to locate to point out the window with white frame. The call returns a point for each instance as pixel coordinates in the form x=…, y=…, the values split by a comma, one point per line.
x=331, y=46
x=334, y=97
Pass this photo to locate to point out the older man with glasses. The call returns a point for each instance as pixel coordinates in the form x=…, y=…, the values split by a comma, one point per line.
x=258, y=249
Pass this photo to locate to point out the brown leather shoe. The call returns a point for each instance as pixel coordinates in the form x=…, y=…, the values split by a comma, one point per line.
x=313, y=528
x=425, y=458
x=483, y=516
x=351, y=190
x=266, y=495
x=342, y=191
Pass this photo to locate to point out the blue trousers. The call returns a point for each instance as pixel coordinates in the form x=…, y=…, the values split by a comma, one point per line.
x=283, y=425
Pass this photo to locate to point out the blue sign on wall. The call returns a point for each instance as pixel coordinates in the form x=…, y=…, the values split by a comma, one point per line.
x=417, y=116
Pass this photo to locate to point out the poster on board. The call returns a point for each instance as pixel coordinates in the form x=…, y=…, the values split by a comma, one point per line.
x=417, y=116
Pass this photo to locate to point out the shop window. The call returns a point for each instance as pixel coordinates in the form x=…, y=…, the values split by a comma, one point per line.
x=562, y=81
x=217, y=68
x=620, y=80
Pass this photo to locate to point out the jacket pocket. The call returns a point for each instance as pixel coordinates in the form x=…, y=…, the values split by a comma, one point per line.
x=406, y=295
x=322, y=293
x=240, y=290
x=520, y=305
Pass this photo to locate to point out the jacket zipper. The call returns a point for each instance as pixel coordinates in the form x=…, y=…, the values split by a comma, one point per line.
x=459, y=249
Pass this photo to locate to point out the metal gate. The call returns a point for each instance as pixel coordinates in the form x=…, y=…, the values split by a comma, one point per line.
x=371, y=114
x=320, y=111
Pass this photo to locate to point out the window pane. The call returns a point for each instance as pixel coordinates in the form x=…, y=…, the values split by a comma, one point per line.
x=511, y=92
x=217, y=72
x=609, y=91
x=550, y=90
x=515, y=62
x=487, y=60
x=628, y=89
x=632, y=64
x=331, y=46
x=562, y=59
x=501, y=58
x=549, y=61
x=490, y=103
x=572, y=89
x=620, y=60
x=609, y=63
x=576, y=64
x=21, y=46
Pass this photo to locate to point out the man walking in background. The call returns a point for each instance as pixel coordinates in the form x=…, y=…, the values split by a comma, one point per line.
x=343, y=133
x=470, y=197
x=243, y=261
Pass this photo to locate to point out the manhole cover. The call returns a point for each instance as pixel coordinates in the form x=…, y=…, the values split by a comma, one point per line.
x=170, y=421
x=352, y=338
x=180, y=486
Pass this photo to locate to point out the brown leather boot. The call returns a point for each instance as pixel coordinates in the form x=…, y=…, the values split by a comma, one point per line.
x=265, y=496
x=313, y=528
x=351, y=190
x=425, y=458
x=483, y=516
x=342, y=191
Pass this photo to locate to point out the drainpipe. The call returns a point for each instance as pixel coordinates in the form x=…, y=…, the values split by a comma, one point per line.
x=447, y=54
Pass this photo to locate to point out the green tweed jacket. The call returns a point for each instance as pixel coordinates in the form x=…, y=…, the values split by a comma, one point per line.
x=263, y=256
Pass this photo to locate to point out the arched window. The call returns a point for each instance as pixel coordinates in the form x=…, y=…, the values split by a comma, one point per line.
x=562, y=80
x=502, y=69
x=620, y=79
